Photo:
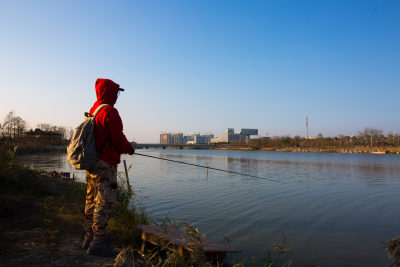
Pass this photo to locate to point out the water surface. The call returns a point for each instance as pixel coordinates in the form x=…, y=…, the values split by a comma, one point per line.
x=333, y=208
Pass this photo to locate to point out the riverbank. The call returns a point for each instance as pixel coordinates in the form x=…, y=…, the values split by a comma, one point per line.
x=41, y=217
x=33, y=149
x=351, y=150
x=22, y=149
x=43, y=226
x=42, y=214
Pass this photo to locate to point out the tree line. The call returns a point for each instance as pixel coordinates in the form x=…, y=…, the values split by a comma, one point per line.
x=371, y=137
x=14, y=127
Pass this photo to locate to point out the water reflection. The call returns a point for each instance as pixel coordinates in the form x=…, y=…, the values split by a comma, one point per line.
x=373, y=173
x=50, y=161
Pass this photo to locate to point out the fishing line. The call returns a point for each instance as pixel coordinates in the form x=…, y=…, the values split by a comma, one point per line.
x=211, y=168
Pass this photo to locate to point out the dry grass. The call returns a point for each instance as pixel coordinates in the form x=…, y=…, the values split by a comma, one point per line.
x=194, y=242
x=393, y=249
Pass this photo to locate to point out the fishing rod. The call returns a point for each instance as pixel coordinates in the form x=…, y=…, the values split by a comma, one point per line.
x=211, y=168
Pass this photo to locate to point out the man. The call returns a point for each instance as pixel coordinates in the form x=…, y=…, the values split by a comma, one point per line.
x=102, y=177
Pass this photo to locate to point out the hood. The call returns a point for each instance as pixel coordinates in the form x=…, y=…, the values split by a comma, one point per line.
x=106, y=91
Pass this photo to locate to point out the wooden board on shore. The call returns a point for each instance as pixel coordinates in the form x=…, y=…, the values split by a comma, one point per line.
x=169, y=237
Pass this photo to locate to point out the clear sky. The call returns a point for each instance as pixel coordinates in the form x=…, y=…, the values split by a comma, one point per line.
x=205, y=65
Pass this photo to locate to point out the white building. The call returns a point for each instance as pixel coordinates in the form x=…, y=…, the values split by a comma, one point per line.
x=230, y=136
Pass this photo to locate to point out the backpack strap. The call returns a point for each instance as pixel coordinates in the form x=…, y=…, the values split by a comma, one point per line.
x=98, y=109
x=87, y=114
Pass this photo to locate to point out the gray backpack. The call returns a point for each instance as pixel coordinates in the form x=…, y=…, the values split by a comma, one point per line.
x=81, y=151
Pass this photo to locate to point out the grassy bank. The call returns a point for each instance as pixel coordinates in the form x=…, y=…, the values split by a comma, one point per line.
x=40, y=213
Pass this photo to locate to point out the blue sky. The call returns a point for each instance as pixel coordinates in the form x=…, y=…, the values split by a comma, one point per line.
x=203, y=66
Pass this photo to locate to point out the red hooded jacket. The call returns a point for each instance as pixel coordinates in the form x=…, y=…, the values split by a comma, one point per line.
x=108, y=129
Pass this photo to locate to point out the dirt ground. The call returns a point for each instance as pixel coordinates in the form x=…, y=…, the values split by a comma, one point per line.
x=28, y=248
x=22, y=245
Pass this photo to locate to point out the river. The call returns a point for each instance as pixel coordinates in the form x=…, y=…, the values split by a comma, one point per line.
x=335, y=209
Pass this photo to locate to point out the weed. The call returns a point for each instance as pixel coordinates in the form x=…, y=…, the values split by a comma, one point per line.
x=393, y=249
x=274, y=257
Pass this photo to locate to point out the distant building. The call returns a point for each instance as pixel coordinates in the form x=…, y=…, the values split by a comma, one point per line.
x=221, y=139
x=44, y=137
x=230, y=136
x=165, y=138
x=188, y=138
x=180, y=139
x=249, y=131
x=201, y=139
x=209, y=136
x=198, y=139
x=171, y=139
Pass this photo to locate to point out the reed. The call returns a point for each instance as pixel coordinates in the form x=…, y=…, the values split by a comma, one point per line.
x=393, y=250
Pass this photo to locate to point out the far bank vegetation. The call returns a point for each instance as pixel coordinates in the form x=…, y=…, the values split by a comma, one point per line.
x=370, y=140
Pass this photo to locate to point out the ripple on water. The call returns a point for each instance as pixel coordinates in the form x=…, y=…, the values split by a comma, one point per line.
x=336, y=208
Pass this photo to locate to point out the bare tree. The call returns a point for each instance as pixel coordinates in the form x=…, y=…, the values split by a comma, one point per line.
x=13, y=126
x=371, y=135
x=341, y=139
x=396, y=139
x=8, y=124
x=19, y=128
x=44, y=127
x=62, y=131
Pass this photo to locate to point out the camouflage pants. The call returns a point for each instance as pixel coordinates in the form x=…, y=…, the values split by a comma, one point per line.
x=101, y=198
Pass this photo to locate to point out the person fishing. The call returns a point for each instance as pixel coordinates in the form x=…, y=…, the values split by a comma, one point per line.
x=96, y=146
x=101, y=178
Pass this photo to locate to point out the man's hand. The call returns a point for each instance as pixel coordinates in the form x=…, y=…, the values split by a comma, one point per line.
x=132, y=152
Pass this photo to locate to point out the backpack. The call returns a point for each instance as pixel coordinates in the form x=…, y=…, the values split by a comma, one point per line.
x=81, y=151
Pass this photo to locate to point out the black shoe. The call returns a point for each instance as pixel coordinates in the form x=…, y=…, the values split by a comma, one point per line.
x=86, y=242
x=101, y=249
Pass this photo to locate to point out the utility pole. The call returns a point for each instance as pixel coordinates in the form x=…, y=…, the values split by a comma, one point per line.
x=307, y=125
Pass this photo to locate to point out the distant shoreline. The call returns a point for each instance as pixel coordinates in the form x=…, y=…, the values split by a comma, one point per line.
x=376, y=150
x=343, y=150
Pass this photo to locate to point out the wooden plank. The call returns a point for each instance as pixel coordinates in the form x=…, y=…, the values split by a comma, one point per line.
x=162, y=235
